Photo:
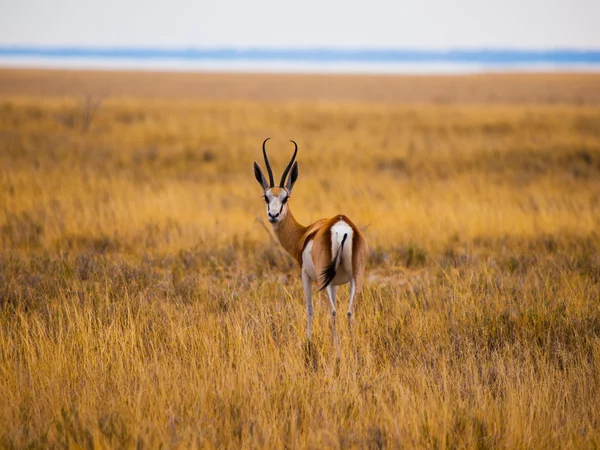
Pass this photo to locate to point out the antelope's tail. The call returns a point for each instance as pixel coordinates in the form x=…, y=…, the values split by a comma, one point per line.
x=329, y=272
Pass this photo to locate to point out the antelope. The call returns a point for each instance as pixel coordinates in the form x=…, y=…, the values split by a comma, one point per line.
x=330, y=252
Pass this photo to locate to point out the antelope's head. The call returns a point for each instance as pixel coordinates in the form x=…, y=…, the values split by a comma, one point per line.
x=277, y=198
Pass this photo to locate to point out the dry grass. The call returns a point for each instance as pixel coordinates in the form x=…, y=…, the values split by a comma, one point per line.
x=501, y=88
x=142, y=304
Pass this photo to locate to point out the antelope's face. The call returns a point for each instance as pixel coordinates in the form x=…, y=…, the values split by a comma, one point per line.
x=277, y=198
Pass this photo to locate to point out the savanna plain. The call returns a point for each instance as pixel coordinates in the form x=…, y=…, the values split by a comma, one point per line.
x=144, y=302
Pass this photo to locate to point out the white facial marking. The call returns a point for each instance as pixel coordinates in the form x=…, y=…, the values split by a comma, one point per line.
x=276, y=204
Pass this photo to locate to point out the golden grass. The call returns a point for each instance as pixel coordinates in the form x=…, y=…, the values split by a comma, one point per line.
x=143, y=304
x=502, y=88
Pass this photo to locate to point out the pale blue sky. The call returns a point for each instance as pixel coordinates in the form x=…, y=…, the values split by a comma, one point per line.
x=274, y=23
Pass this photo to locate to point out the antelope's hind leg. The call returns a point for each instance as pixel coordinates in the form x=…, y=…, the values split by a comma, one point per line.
x=307, y=285
x=331, y=293
x=352, y=293
x=358, y=275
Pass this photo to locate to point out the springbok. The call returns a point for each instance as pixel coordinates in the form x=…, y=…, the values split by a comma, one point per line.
x=330, y=252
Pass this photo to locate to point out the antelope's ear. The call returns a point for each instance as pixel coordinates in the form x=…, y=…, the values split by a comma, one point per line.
x=292, y=178
x=260, y=177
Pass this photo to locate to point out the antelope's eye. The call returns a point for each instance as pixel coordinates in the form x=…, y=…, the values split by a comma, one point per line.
x=284, y=201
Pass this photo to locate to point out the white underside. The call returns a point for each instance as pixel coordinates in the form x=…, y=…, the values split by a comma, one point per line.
x=344, y=269
x=307, y=263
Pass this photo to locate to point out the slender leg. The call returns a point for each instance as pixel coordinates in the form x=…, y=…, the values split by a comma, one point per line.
x=352, y=292
x=307, y=285
x=331, y=292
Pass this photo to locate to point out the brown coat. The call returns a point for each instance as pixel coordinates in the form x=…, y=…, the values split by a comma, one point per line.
x=294, y=238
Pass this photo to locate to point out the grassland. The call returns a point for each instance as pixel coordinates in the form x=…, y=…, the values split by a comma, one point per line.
x=144, y=304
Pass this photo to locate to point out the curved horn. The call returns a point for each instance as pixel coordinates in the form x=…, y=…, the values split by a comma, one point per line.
x=287, y=169
x=271, y=182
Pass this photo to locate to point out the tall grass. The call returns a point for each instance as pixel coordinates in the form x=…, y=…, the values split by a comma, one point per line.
x=143, y=304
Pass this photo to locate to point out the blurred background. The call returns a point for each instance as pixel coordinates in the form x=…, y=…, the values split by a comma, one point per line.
x=429, y=36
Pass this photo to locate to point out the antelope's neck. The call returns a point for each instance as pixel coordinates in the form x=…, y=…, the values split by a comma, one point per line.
x=290, y=233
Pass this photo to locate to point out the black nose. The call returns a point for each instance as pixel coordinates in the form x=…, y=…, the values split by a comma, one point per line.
x=273, y=216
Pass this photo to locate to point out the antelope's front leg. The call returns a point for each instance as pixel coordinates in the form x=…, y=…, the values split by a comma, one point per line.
x=307, y=285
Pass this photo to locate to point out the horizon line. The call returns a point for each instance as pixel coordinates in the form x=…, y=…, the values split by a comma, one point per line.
x=481, y=55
